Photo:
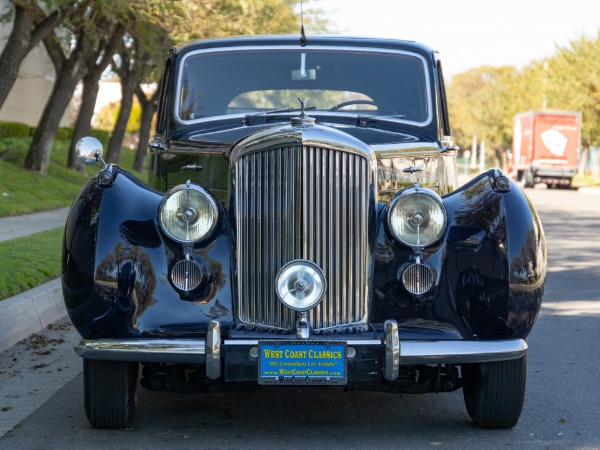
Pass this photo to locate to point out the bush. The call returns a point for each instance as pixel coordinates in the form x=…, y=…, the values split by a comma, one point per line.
x=20, y=130
x=64, y=134
x=102, y=135
x=15, y=129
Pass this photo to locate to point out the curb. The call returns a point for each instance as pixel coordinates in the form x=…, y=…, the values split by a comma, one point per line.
x=29, y=312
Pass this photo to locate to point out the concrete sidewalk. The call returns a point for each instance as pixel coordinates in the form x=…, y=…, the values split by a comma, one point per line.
x=30, y=312
x=18, y=226
x=33, y=370
x=33, y=310
x=36, y=336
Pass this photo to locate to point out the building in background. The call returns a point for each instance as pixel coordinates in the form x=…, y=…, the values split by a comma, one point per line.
x=30, y=92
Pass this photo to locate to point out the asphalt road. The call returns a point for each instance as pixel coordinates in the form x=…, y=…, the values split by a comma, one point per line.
x=562, y=407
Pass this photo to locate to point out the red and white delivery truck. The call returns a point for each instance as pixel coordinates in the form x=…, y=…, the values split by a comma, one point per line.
x=546, y=147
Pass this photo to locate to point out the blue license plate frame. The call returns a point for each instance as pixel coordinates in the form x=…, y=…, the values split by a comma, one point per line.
x=302, y=363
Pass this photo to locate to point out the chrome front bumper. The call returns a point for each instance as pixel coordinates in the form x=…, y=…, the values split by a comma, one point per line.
x=208, y=351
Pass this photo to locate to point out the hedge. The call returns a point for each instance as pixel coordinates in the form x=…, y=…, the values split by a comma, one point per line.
x=16, y=129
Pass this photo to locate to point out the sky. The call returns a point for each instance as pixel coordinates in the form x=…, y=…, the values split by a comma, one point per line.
x=470, y=33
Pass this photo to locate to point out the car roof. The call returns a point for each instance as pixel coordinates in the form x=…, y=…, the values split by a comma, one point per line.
x=314, y=40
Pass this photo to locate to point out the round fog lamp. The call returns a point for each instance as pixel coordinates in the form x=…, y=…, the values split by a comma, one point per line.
x=418, y=279
x=187, y=275
x=300, y=285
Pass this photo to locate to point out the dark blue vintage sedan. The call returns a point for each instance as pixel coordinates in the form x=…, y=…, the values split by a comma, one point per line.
x=302, y=224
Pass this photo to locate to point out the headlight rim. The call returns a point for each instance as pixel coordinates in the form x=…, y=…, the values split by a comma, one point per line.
x=211, y=201
x=412, y=191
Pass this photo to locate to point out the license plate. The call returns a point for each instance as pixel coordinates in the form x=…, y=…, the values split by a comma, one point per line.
x=302, y=362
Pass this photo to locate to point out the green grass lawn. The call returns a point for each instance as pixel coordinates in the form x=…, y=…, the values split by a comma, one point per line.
x=30, y=261
x=23, y=192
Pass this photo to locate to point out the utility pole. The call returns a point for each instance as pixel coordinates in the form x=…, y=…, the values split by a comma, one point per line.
x=545, y=96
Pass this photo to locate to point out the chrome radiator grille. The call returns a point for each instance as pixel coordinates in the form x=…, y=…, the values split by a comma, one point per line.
x=302, y=202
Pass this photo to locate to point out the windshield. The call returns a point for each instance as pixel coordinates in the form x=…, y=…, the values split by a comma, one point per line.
x=250, y=81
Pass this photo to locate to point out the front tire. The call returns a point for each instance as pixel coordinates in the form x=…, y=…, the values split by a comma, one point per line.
x=494, y=392
x=109, y=392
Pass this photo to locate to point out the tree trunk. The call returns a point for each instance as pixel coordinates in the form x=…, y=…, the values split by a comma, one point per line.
x=38, y=156
x=84, y=118
x=30, y=26
x=17, y=47
x=73, y=69
x=501, y=158
x=128, y=83
x=583, y=159
x=148, y=109
x=90, y=93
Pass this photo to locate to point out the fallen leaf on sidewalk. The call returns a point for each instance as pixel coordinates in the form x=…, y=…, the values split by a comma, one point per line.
x=59, y=326
x=46, y=352
x=36, y=341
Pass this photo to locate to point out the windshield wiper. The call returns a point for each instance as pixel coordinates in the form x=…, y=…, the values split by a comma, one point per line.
x=362, y=121
x=247, y=117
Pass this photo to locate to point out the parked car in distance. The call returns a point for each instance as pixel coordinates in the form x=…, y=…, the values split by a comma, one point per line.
x=302, y=224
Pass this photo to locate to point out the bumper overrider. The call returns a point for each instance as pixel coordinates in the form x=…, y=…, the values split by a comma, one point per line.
x=239, y=358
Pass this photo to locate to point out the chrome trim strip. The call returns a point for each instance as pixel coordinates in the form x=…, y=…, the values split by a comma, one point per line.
x=359, y=342
x=194, y=350
x=437, y=352
x=143, y=350
x=316, y=136
x=213, y=350
x=351, y=342
x=459, y=352
x=392, y=351
x=405, y=148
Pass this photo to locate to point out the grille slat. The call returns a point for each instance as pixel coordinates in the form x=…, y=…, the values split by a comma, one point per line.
x=302, y=202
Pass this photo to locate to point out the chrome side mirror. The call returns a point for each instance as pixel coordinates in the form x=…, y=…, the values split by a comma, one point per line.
x=89, y=151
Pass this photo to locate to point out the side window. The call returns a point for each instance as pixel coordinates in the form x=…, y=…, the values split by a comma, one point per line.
x=445, y=122
x=163, y=99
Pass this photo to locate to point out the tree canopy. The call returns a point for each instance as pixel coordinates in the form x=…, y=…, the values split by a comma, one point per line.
x=83, y=37
x=483, y=101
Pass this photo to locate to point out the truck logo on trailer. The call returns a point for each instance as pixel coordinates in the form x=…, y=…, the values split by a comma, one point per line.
x=554, y=141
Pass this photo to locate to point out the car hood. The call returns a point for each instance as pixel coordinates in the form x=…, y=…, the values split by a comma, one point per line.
x=370, y=136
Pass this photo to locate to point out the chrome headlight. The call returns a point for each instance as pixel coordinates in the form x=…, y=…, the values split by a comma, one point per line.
x=300, y=285
x=417, y=217
x=188, y=213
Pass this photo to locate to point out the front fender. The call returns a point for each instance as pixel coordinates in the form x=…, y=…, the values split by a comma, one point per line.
x=490, y=268
x=497, y=253
x=116, y=263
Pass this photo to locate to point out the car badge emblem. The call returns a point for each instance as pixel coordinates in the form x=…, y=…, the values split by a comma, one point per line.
x=303, y=103
x=303, y=119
